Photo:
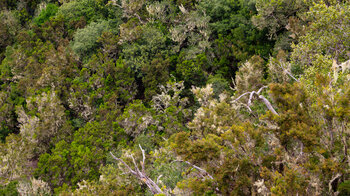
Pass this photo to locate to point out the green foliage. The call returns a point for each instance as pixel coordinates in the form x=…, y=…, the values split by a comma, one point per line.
x=90, y=9
x=344, y=188
x=137, y=119
x=10, y=189
x=85, y=40
x=274, y=15
x=79, y=160
x=149, y=43
x=294, y=123
x=214, y=91
x=193, y=71
x=101, y=88
x=49, y=11
x=230, y=21
x=333, y=43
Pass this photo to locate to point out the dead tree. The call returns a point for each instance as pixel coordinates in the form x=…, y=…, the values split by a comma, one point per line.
x=140, y=174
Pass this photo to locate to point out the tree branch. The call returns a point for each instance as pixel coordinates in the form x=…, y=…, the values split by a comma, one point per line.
x=268, y=104
x=196, y=167
x=332, y=180
x=126, y=165
x=143, y=159
x=287, y=72
x=141, y=175
x=261, y=97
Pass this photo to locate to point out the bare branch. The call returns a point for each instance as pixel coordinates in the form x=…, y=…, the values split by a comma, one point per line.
x=126, y=165
x=141, y=175
x=251, y=97
x=196, y=167
x=262, y=88
x=133, y=160
x=143, y=159
x=332, y=180
x=241, y=96
x=261, y=97
x=287, y=72
x=159, y=178
x=268, y=104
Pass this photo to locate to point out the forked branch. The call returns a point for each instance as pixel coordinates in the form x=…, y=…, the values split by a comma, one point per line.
x=260, y=97
x=141, y=175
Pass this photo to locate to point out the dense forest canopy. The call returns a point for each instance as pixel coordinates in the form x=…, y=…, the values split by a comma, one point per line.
x=174, y=97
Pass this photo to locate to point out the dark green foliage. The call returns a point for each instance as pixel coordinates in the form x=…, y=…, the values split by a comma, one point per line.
x=193, y=71
x=70, y=163
x=344, y=188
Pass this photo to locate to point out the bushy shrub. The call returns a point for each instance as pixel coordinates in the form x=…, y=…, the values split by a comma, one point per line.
x=49, y=11
x=10, y=189
x=89, y=9
x=85, y=40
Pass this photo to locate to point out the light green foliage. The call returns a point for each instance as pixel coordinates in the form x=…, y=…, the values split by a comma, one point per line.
x=326, y=35
x=33, y=187
x=85, y=40
x=15, y=159
x=137, y=119
x=192, y=32
x=90, y=9
x=279, y=70
x=274, y=14
x=214, y=116
x=250, y=75
x=171, y=108
x=47, y=122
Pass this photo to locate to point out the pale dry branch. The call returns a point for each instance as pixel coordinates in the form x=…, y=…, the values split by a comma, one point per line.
x=288, y=73
x=260, y=97
x=143, y=159
x=126, y=165
x=196, y=167
x=330, y=186
x=141, y=175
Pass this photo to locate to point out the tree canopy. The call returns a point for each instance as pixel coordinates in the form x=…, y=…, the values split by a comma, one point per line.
x=174, y=97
